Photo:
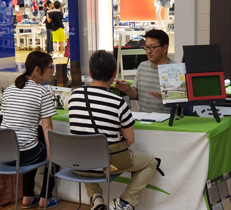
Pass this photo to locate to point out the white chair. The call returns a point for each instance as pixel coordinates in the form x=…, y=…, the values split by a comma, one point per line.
x=124, y=53
x=44, y=41
x=22, y=38
x=80, y=152
x=38, y=39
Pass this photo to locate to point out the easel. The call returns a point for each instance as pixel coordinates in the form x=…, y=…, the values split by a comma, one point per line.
x=180, y=106
x=201, y=61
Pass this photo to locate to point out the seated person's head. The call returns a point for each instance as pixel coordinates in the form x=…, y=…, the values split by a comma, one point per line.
x=57, y=4
x=102, y=66
x=39, y=66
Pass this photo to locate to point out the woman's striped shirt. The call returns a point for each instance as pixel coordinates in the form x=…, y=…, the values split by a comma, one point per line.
x=22, y=110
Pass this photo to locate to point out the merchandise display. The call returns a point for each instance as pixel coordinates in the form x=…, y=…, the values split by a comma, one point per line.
x=137, y=28
x=29, y=33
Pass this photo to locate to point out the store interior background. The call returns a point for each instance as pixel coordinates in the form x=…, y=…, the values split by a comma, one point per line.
x=96, y=31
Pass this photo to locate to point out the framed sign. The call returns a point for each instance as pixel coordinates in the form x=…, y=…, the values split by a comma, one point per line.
x=17, y=8
x=27, y=11
x=205, y=86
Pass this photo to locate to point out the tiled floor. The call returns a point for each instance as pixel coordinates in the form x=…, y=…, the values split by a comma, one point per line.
x=20, y=56
x=63, y=206
x=8, y=77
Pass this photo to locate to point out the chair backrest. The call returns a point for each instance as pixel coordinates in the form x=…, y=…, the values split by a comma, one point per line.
x=136, y=57
x=80, y=152
x=9, y=149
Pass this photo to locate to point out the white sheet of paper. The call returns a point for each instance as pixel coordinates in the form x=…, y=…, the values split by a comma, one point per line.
x=139, y=115
x=157, y=117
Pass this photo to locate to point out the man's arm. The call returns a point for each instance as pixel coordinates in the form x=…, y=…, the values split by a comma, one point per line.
x=126, y=88
x=47, y=125
x=155, y=94
x=128, y=134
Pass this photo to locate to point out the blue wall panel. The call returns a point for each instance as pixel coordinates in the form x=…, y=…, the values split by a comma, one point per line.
x=74, y=30
x=7, y=48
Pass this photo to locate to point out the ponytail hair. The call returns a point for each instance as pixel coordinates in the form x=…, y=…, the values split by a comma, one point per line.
x=33, y=60
x=20, y=81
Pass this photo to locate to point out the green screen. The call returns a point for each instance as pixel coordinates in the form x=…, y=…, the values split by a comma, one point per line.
x=206, y=86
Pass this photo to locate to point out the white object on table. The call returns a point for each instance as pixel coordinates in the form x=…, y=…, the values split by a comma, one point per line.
x=32, y=27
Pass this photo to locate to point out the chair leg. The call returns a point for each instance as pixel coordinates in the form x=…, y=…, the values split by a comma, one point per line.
x=56, y=189
x=108, y=193
x=79, y=196
x=16, y=193
x=48, y=176
x=12, y=193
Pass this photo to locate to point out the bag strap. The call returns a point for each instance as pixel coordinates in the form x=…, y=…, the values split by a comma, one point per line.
x=89, y=110
x=97, y=131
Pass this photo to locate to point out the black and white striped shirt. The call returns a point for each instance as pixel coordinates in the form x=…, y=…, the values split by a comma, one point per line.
x=110, y=112
x=22, y=110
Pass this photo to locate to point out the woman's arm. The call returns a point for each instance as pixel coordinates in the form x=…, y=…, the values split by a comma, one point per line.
x=43, y=20
x=48, y=18
x=47, y=125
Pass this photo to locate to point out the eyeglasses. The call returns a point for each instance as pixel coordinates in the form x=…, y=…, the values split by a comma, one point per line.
x=151, y=48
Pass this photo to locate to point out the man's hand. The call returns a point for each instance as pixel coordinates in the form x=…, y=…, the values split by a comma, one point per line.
x=122, y=85
x=155, y=94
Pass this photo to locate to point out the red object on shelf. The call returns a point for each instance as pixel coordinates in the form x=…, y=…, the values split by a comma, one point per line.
x=19, y=17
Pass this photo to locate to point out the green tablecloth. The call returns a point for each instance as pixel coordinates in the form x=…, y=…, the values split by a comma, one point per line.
x=228, y=90
x=130, y=81
x=217, y=133
x=185, y=124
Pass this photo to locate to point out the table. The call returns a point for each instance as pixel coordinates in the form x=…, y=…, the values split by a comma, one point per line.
x=32, y=27
x=192, y=151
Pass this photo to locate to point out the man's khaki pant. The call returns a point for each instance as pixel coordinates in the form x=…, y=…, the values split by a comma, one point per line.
x=144, y=166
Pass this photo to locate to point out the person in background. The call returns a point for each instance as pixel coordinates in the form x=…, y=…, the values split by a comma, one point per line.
x=34, y=8
x=146, y=86
x=41, y=8
x=25, y=103
x=114, y=120
x=49, y=7
x=55, y=16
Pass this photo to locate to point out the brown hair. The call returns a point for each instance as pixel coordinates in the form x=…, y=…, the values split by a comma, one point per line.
x=33, y=60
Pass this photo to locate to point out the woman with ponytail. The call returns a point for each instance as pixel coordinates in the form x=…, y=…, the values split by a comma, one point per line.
x=26, y=103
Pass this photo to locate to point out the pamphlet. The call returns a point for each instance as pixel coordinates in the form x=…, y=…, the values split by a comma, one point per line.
x=152, y=117
x=172, y=83
x=139, y=115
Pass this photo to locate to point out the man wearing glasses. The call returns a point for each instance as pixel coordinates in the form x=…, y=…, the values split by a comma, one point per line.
x=146, y=86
